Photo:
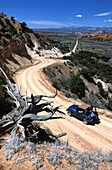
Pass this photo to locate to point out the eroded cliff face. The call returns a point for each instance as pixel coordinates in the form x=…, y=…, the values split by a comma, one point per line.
x=17, y=43
x=13, y=54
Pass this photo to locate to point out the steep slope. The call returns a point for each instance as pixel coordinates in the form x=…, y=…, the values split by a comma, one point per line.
x=17, y=44
x=13, y=53
x=16, y=40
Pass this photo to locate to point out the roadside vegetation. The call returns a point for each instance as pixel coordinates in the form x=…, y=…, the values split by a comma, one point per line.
x=83, y=67
x=9, y=27
x=64, y=42
x=91, y=65
x=94, y=60
x=101, y=48
x=5, y=101
x=56, y=154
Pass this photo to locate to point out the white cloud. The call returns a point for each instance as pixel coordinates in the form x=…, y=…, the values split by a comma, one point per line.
x=72, y=24
x=79, y=16
x=51, y=23
x=109, y=20
x=103, y=14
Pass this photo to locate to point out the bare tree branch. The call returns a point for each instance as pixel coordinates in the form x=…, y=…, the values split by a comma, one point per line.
x=26, y=111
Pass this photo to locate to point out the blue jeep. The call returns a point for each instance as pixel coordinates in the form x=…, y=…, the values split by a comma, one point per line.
x=87, y=115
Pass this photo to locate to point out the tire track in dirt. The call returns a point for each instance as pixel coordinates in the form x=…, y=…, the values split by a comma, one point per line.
x=79, y=135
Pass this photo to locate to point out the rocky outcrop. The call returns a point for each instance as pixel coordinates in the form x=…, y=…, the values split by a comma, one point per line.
x=13, y=55
x=99, y=35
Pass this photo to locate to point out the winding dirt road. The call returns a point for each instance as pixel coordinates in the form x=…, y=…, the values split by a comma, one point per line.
x=83, y=137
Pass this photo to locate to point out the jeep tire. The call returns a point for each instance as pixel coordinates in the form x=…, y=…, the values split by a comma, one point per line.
x=85, y=121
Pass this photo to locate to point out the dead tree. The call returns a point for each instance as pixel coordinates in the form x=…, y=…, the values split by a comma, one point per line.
x=26, y=111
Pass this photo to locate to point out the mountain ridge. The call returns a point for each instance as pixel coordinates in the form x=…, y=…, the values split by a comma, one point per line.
x=77, y=30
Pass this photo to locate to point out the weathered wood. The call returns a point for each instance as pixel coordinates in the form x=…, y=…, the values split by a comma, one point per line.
x=26, y=111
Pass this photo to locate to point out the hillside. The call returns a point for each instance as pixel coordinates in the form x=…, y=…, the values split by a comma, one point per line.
x=17, y=42
x=98, y=35
x=78, y=79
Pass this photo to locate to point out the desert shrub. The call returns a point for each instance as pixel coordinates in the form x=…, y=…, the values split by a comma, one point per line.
x=65, y=63
x=77, y=86
x=50, y=72
x=5, y=102
x=37, y=162
x=88, y=60
x=88, y=74
x=54, y=157
x=103, y=93
x=59, y=154
x=56, y=84
x=20, y=160
x=37, y=35
x=44, y=70
x=12, y=19
x=14, y=144
x=105, y=58
x=12, y=30
x=31, y=147
x=29, y=41
x=110, y=89
x=109, y=105
x=8, y=35
x=8, y=21
x=3, y=29
x=70, y=63
x=94, y=100
x=4, y=41
x=1, y=22
x=21, y=36
x=25, y=28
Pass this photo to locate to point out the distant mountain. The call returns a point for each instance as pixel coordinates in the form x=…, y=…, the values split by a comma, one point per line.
x=76, y=30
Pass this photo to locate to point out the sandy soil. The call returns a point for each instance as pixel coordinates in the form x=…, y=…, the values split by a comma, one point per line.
x=83, y=137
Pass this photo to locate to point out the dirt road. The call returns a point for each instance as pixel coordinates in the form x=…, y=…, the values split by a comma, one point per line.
x=83, y=137
x=75, y=46
x=73, y=50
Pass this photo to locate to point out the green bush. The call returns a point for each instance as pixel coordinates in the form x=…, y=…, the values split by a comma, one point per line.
x=29, y=42
x=88, y=74
x=8, y=35
x=5, y=103
x=3, y=29
x=92, y=62
x=8, y=21
x=12, y=30
x=1, y=22
x=12, y=19
x=70, y=63
x=109, y=105
x=56, y=84
x=77, y=86
x=103, y=93
x=25, y=28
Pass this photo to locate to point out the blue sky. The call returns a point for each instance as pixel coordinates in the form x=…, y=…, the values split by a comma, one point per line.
x=59, y=13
